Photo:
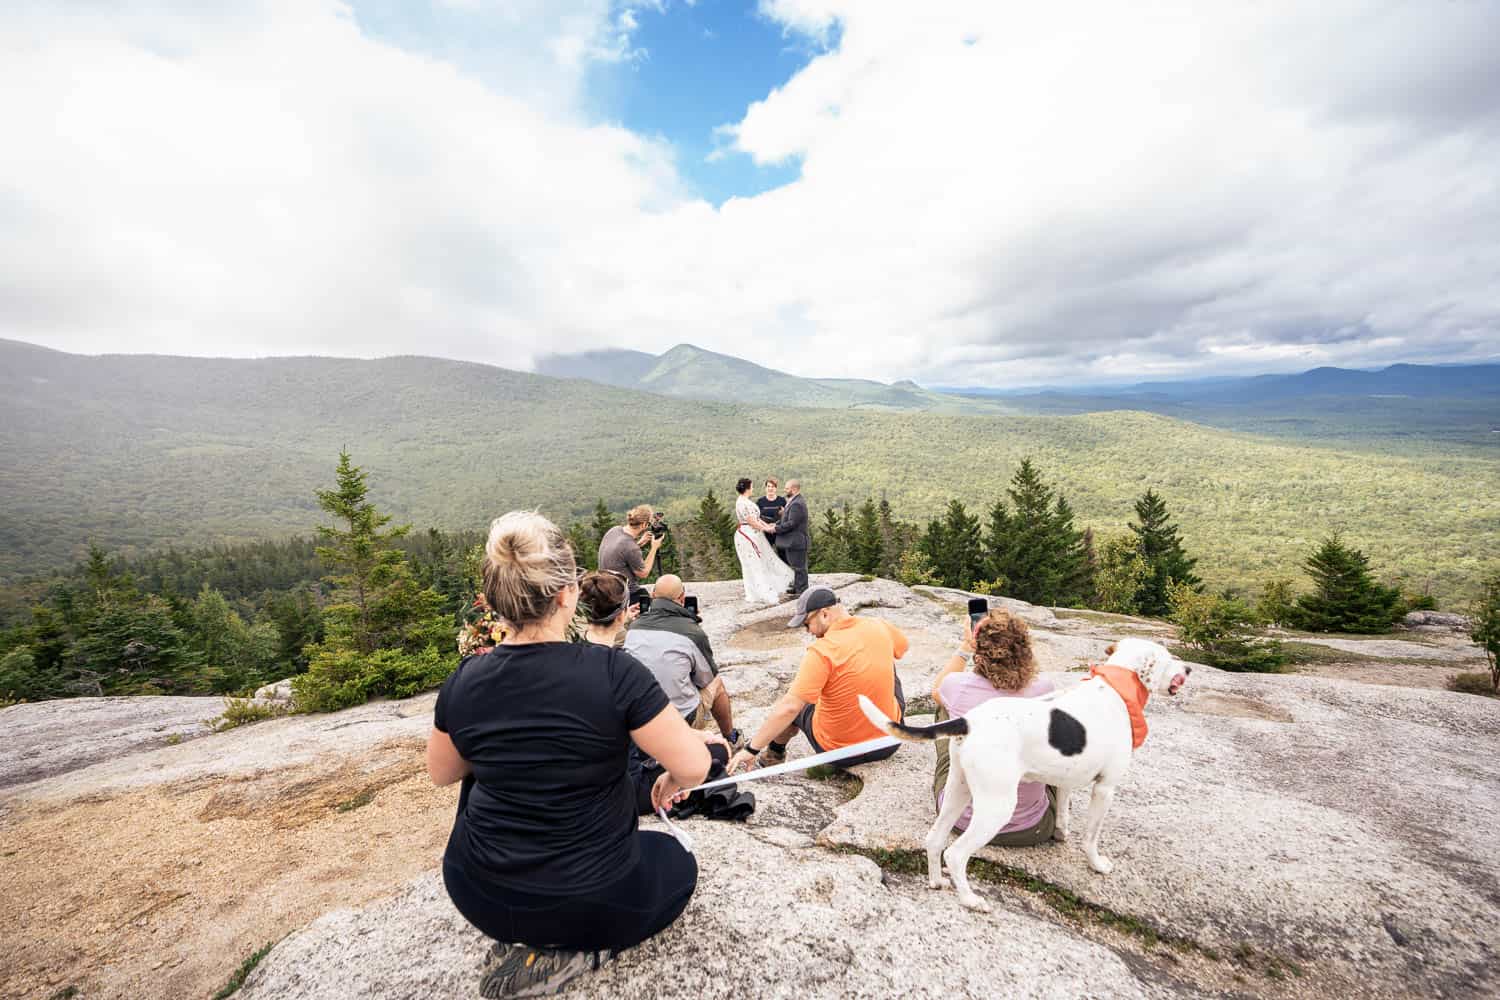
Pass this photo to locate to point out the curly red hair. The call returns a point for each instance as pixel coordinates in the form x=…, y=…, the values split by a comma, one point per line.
x=1002, y=651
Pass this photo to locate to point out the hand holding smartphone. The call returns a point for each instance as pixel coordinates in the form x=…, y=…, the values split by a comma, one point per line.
x=691, y=603
x=979, y=609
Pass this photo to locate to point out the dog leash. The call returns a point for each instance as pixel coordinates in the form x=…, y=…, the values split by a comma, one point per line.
x=801, y=764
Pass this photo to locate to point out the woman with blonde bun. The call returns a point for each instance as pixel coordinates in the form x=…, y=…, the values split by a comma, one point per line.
x=545, y=855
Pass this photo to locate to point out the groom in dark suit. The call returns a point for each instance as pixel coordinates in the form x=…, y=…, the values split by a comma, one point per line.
x=792, y=536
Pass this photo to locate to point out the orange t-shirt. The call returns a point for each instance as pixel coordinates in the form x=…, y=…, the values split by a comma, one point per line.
x=857, y=656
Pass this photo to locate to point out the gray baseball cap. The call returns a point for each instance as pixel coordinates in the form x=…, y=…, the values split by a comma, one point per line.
x=814, y=599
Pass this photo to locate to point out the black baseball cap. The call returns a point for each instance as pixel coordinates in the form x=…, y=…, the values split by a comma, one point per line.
x=812, y=600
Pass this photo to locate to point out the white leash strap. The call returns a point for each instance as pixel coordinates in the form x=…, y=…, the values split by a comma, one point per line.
x=801, y=764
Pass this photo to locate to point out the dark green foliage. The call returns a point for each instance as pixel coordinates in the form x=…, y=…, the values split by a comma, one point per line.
x=384, y=635
x=1345, y=598
x=585, y=548
x=1484, y=626
x=1161, y=547
x=717, y=524
x=1219, y=629
x=866, y=540
x=1033, y=546
x=1278, y=603
x=1119, y=576
x=953, y=548
x=603, y=521
x=830, y=544
x=230, y=655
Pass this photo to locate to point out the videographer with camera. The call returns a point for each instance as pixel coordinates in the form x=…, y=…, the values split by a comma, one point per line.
x=620, y=548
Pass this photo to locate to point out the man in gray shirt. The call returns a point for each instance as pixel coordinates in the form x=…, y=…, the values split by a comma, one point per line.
x=672, y=644
x=620, y=548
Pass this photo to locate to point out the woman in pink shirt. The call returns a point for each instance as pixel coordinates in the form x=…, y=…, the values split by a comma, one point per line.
x=1003, y=667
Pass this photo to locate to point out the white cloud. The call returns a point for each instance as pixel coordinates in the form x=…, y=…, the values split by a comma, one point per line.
x=988, y=192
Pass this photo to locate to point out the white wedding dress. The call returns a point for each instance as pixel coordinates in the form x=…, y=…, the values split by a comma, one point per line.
x=766, y=576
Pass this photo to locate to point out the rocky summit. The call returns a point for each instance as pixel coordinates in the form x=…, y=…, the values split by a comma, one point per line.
x=1278, y=835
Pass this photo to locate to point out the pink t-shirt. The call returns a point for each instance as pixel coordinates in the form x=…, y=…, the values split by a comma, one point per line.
x=964, y=692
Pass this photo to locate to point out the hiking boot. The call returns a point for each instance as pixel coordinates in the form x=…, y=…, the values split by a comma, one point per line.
x=770, y=757
x=516, y=970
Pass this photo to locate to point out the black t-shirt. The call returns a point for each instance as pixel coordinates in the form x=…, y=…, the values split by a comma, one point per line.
x=546, y=728
x=770, y=510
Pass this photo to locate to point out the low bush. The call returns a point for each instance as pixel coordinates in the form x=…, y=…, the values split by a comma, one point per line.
x=341, y=678
x=1218, y=630
x=240, y=712
x=1473, y=682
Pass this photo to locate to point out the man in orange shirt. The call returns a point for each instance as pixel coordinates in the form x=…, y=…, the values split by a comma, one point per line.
x=849, y=657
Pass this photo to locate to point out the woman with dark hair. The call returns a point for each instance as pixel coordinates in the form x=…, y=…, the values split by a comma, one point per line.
x=766, y=576
x=545, y=854
x=604, y=601
x=1003, y=667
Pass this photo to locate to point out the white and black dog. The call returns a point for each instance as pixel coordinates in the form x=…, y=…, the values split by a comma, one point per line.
x=1082, y=737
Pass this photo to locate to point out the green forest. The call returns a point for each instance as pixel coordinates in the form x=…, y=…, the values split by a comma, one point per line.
x=368, y=608
x=132, y=454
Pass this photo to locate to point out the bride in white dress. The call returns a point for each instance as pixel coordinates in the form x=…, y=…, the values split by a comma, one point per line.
x=766, y=576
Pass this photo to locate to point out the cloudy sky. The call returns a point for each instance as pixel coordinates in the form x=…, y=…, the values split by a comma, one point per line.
x=958, y=192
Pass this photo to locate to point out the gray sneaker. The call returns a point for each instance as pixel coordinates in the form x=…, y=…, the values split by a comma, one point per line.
x=516, y=970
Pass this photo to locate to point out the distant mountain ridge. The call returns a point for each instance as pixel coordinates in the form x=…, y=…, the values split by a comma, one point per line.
x=134, y=452
x=1397, y=380
x=690, y=372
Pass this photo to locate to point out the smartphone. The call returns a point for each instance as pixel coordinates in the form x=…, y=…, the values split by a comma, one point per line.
x=643, y=601
x=691, y=603
x=978, y=608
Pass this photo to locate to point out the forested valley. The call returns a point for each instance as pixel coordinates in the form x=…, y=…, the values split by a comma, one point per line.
x=367, y=609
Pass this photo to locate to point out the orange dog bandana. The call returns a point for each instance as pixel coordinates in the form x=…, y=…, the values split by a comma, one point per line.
x=1132, y=692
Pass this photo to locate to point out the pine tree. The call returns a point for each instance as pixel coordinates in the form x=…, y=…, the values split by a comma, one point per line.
x=716, y=523
x=1484, y=626
x=1160, y=546
x=997, y=543
x=603, y=521
x=1032, y=558
x=1075, y=568
x=866, y=544
x=830, y=547
x=895, y=538
x=384, y=634
x=954, y=548
x=1345, y=598
x=585, y=549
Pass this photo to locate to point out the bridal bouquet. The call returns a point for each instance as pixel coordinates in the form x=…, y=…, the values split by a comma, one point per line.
x=481, y=632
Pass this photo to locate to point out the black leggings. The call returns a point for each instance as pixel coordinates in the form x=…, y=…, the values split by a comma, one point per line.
x=624, y=913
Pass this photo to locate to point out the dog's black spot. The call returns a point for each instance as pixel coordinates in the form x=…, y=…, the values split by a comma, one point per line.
x=1066, y=734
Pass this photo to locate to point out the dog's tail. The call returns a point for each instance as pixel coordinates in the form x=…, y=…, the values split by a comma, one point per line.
x=900, y=730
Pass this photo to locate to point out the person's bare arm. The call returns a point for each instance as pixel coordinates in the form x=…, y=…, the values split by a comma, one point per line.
x=444, y=764
x=677, y=748
x=955, y=664
x=783, y=713
x=645, y=569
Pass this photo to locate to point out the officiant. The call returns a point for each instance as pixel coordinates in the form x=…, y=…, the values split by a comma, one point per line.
x=771, y=505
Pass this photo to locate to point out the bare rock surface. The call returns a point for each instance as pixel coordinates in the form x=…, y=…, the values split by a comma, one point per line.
x=773, y=916
x=1400, y=649
x=1292, y=815
x=50, y=738
x=1290, y=835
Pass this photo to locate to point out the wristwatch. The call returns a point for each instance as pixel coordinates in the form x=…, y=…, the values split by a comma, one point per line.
x=752, y=751
x=964, y=654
